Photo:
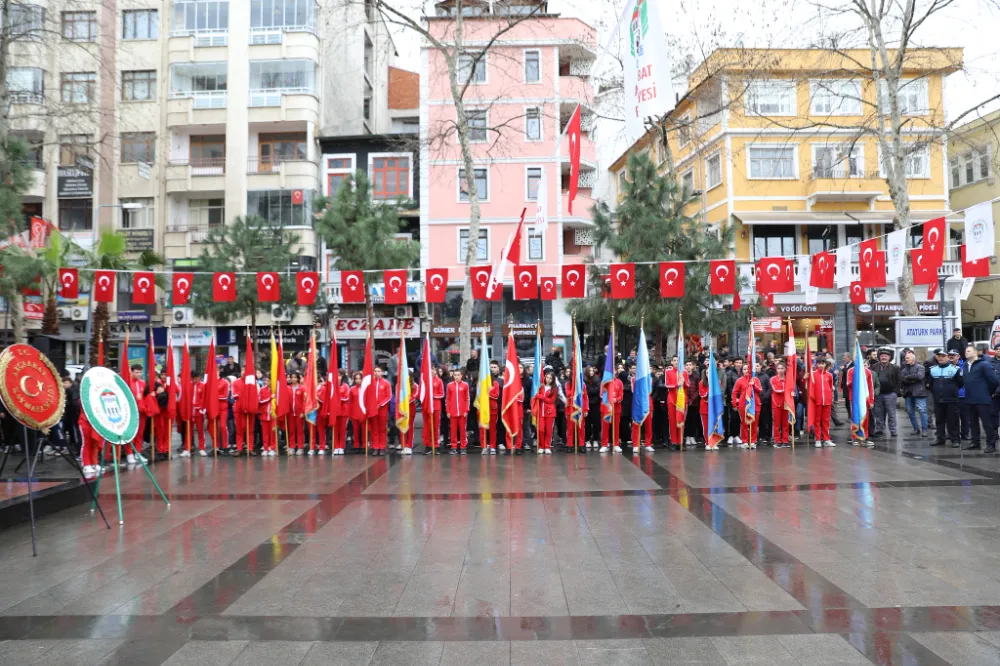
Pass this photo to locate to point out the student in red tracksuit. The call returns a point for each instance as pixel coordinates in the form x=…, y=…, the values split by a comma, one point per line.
x=296, y=419
x=614, y=392
x=408, y=440
x=703, y=408
x=488, y=436
x=156, y=411
x=323, y=406
x=198, y=411
x=239, y=415
x=378, y=423
x=749, y=423
x=338, y=418
x=545, y=412
x=779, y=414
x=90, y=447
x=457, y=404
x=218, y=428
x=138, y=386
x=647, y=425
x=576, y=434
x=359, y=425
x=821, y=395
x=437, y=394
x=673, y=379
x=267, y=435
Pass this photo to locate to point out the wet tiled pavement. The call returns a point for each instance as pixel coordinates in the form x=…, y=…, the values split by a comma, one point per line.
x=812, y=556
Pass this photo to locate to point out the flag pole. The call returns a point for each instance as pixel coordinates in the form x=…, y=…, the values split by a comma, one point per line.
x=614, y=418
x=795, y=360
x=576, y=389
x=248, y=433
x=170, y=422
x=680, y=378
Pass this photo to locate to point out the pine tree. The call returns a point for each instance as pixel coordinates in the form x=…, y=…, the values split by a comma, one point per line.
x=649, y=225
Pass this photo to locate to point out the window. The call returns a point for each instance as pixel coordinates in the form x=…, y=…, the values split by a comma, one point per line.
x=139, y=218
x=622, y=180
x=77, y=87
x=35, y=156
x=200, y=15
x=390, y=177
x=284, y=74
x=773, y=241
x=79, y=26
x=477, y=125
x=208, y=152
x=274, y=149
x=687, y=180
x=684, y=131
x=138, y=147
x=76, y=214
x=482, y=249
x=533, y=124
x=282, y=14
x=466, y=69
x=533, y=176
x=912, y=97
x=835, y=97
x=772, y=162
x=821, y=238
x=853, y=235
x=770, y=98
x=532, y=66
x=481, y=178
x=276, y=207
x=72, y=148
x=26, y=21
x=203, y=213
x=339, y=169
x=970, y=167
x=139, y=86
x=205, y=82
x=26, y=85
x=916, y=161
x=713, y=171
x=140, y=24
x=536, y=245
x=832, y=161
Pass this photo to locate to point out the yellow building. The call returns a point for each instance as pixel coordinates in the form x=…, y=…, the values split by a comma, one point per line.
x=972, y=170
x=781, y=144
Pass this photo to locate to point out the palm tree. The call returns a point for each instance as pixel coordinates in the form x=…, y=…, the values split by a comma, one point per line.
x=21, y=269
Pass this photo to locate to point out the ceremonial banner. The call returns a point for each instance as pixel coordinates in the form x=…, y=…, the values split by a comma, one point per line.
x=109, y=405
x=980, y=234
x=30, y=387
x=648, y=86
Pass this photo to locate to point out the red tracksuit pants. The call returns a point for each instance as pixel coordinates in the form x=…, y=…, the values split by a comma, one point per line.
x=822, y=413
x=576, y=434
x=91, y=442
x=647, y=427
x=545, y=425
x=518, y=441
x=704, y=422
x=139, y=434
x=431, y=439
x=748, y=431
x=458, y=431
x=491, y=431
x=360, y=429
x=779, y=423
x=196, y=426
x=676, y=424
x=378, y=425
x=606, y=427
x=339, y=433
x=321, y=426
x=294, y=432
x=163, y=433
x=268, y=436
x=218, y=430
x=242, y=422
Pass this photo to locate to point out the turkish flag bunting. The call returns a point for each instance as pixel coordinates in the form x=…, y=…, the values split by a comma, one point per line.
x=268, y=288
x=722, y=274
x=672, y=279
x=525, y=282
x=104, y=286
x=143, y=288
x=549, y=288
x=306, y=287
x=857, y=294
x=224, y=287
x=976, y=268
x=767, y=300
x=436, y=287
x=69, y=283
x=777, y=275
x=872, y=264
x=757, y=285
x=932, y=290
x=823, y=264
x=935, y=240
x=395, y=286
x=922, y=273
x=622, y=281
x=573, y=131
x=181, y=291
x=352, y=286
x=480, y=276
x=736, y=301
x=574, y=281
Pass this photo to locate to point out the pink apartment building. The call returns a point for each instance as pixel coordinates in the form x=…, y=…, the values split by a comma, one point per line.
x=523, y=93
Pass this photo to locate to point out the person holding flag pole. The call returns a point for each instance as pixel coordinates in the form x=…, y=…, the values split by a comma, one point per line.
x=783, y=395
x=810, y=405
x=186, y=405
x=642, y=389
x=273, y=407
x=746, y=396
x=404, y=399
x=484, y=395
x=429, y=405
x=862, y=397
x=715, y=405
x=310, y=402
x=211, y=392
x=677, y=400
x=536, y=373
x=511, y=410
x=612, y=394
x=578, y=402
x=171, y=391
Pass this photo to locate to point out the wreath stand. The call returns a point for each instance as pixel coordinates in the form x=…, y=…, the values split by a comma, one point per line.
x=118, y=491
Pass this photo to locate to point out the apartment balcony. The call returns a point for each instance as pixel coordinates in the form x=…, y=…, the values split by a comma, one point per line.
x=836, y=184
x=287, y=42
x=177, y=239
x=197, y=46
x=577, y=89
x=196, y=107
x=582, y=206
x=278, y=174
x=283, y=105
x=206, y=175
x=38, y=183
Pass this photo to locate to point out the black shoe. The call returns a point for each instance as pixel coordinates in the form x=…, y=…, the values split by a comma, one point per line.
x=878, y=435
x=971, y=446
x=517, y=452
x=463, y=452
x=429, y=452
x=892, y=434
x=453, y=452
x=915, y=433
x=990, y=449
x=955, y=445
x=937, y=443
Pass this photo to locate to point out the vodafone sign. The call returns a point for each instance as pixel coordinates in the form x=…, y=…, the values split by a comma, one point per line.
x=382, y=327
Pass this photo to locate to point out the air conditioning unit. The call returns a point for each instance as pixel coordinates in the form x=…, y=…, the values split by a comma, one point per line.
x=65, y=313
x=79, y=313
x=403, y=312
x=281, y=313
x=183, y=316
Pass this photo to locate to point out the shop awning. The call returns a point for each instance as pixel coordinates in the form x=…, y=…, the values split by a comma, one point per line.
x=789, y=217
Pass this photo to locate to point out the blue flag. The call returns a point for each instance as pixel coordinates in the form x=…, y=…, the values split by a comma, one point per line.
x=607, y=379
x=643, y=383
x=859, y=395
x=536, y=375
x=751, y=398
x=579, y=389
x=716, y=404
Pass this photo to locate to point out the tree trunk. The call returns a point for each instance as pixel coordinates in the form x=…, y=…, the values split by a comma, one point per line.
x=99, y=331
x=15, y=305
x=50, y=321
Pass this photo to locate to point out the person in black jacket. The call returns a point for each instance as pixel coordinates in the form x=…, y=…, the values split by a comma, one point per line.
x=733, y=374
x=890, y=382
x=660, y=407
x=764, y=413
x=980, y=386
x=957, y=342
x=945, y=380
x=555, y=361
x=593, y=382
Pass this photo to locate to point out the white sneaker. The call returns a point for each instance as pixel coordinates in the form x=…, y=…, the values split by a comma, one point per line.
x=486, y=451
x=310, y=452
x=635, y=449
x=540, y=452
x=548, y=452
x=604, y=449
x=202, y=452
x=299, y=452
x=501, y=447
x=184, y=454
x=618, y=449
x=868, y=443
x=829, y=443
x=649, y=449
x=819, y=444
x=738, y=440
x=729, y=441
x=753, y=447
x=741, y=445
x=131, y=459
x=48, y=450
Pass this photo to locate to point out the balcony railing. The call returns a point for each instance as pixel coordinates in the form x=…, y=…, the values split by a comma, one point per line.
x=837, y=172
x=203, y=99
x=199, y=232
x=26, y=97
x=269, y=164
x=273, y=35
x=272, y=96
x=204, y=38
x=205, y=166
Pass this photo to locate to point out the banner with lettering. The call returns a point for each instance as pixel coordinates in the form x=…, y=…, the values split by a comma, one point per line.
x=648, y=89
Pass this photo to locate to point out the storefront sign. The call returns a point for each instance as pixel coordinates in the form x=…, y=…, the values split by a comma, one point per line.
x=74, y=184
x=109, y=405
x=767, y=325
x=382, y=327
x=291, y=336
x=30, y=387
x=139, y=240
x=197, y=336
x=133, y=315
x=923, y=331
x=895, y=308
x=116, y=331
x=521, y=330
x=802, y=309
x=453, y=331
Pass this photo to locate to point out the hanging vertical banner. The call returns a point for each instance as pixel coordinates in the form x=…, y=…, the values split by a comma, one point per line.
x=980, y=234
x=648, y=88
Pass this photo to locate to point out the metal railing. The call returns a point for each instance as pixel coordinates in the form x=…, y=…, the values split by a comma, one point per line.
x=273, y=35
x=204, y=38
x=269, y=164
x=199, y=232
x=26, y=97
x=272, y=96
x=205, y=166
x=841, y=171
x=203, y=99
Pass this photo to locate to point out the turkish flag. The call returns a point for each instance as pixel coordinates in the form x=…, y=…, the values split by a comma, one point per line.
x=436, y=287
x=757, y=286
x=932, y=290
x=622, y=281
x=858, y=293
x=525, y=283
x=976, y=268
x=306, y=287
x=511, y=411
x=224, y=287
x=722, y=274
x=767, y=300
x=352, y=286
x=69, y=283
x=935, y=240
x=822, y=270
x=181, y=291
x=395, y=286
x=104, y=286
x=573, y=132
x=574, y=281
x=736, y=301
x=549, y=288
x=143, y=288
x=922, y=273
x=776, y=275
x=672, y=279
x=480, y=276
x=268, y=288
x=872, y=264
